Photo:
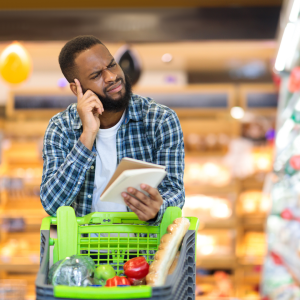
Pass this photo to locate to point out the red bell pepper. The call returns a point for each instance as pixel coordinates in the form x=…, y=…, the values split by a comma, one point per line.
x=136, y=269
x=115, y=281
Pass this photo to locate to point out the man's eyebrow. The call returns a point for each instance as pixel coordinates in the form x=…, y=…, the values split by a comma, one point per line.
x=96, y=72
x=111, y=62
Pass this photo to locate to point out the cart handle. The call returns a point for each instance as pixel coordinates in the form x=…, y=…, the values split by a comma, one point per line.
x=130, y=292
x=99, y=217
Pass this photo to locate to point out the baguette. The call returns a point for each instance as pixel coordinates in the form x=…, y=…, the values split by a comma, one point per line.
x=166, y=253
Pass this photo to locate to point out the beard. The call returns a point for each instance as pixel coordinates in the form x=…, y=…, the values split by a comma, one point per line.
x=112, y=105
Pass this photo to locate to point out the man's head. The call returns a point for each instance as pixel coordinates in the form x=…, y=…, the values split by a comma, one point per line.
x=88, y=60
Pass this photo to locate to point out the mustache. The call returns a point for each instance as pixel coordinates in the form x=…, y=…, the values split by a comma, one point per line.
x=117, y=80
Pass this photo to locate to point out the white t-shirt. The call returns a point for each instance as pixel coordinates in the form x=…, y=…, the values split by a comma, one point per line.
x=106, y=164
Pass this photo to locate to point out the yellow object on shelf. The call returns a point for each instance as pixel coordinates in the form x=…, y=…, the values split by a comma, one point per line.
x=15, y=64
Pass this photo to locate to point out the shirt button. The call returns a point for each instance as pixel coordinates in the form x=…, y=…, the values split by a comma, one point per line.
x=89, y=196
x=79, y=182
x=89, y=159
x=92, y=167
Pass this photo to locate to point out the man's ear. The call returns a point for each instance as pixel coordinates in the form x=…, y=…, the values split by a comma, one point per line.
x=73, y=88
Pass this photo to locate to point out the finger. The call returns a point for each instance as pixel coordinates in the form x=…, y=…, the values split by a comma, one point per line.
x=154, y=193
x=141, y=215
x=90, y=106
x=136, y=203
x=79, y=89
x=95, y=97
x=138, y=194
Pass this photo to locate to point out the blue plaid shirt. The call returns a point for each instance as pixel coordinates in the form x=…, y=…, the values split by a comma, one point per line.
x=150, y=132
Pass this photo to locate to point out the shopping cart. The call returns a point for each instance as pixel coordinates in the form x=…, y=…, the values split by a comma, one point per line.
x=117, y=237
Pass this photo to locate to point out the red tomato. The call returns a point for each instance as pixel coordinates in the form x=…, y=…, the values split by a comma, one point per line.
x=136, y=268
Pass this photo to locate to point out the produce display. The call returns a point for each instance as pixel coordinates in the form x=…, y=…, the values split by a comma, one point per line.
x=281, y=275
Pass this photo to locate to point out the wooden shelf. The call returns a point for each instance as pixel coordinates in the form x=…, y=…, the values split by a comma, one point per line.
x=21, y=267
x=205, y=154
x=255, y=222
x=217, y=262
x=212, y=190
x=251, y=260
x=219, y=224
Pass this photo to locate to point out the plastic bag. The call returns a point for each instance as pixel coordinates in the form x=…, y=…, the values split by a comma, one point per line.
x=72, y=271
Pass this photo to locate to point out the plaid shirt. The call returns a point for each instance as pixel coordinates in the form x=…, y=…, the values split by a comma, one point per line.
x=150, y=132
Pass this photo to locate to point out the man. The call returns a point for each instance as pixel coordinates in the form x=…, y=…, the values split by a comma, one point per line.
x=84, y=143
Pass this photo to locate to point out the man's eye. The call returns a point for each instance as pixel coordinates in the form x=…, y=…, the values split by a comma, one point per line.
x=95, y=76
x=114, y=64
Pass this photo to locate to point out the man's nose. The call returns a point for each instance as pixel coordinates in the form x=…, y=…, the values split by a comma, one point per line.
x=109, y=76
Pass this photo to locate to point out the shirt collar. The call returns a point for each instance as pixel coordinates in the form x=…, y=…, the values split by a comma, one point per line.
x=133, y=112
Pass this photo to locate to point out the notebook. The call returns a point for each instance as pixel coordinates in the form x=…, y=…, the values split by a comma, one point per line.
x=132, y=173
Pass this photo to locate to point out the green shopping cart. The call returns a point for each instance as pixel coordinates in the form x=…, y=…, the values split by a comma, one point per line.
x=114, y=238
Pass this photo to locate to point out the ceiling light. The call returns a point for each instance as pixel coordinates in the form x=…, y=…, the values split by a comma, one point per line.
x=167, y=57
x=237, y=112
x=285, y=45
x=295, y=11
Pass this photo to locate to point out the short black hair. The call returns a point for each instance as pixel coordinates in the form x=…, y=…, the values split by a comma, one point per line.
x=69, y=52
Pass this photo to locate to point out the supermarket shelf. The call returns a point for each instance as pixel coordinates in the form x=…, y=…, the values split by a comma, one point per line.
x=219, y=224
x=255, y=222
x=254, y=279
x=212, y=190
x=205, y=154
x=213, y=298
x=251, y=260
x=217, y=262
x=255, y=182
x=210, y=279
x=20, y=267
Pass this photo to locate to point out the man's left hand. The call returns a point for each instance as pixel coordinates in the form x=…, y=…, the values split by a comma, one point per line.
x=146, y=208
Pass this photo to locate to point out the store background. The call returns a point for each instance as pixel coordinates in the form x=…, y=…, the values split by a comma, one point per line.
x=213, y=62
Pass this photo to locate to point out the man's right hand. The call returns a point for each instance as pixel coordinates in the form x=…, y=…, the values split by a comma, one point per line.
x=89, y=108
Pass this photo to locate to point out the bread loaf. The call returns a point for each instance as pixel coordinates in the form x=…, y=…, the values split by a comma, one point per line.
x=166, y=253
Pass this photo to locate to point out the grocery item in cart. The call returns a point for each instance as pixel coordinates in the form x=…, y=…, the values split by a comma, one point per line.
x=73, y=271
x=167, y=251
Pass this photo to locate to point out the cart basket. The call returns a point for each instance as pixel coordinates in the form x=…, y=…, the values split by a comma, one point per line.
x=113, y=238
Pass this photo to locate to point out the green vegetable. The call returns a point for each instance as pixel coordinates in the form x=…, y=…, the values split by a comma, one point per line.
x=105, y=272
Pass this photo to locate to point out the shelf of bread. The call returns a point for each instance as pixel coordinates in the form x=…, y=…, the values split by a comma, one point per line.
x=212, y=211
x=252, y=248
x=215, y=248
x=252, y=207
x=208, y=176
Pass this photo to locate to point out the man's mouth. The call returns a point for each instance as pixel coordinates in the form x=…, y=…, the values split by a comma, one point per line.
x=115, y=87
